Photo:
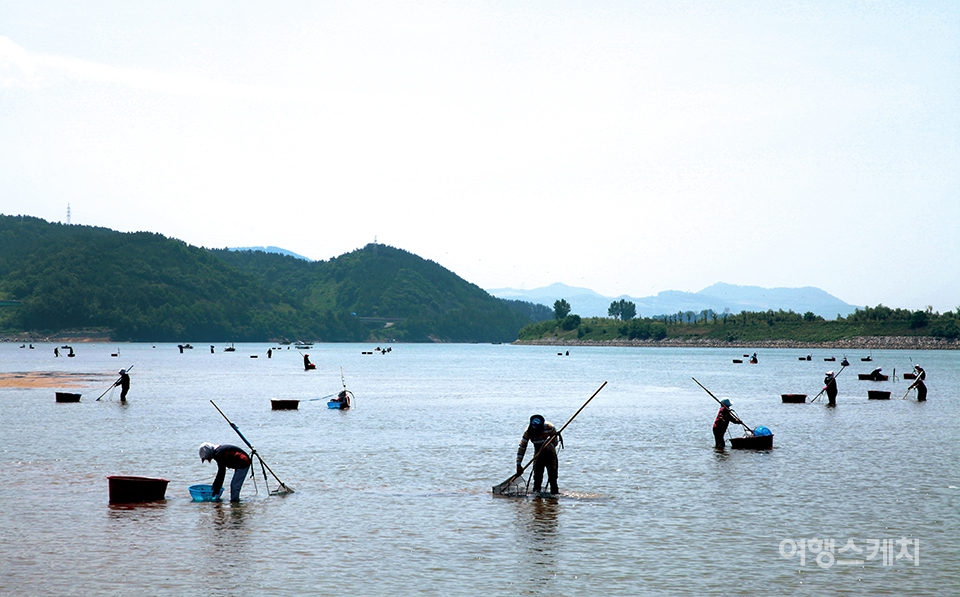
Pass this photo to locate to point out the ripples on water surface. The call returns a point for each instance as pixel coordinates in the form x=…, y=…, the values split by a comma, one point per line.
x=393, y=497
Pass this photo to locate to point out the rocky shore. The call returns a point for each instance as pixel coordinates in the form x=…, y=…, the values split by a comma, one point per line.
x=858, y=343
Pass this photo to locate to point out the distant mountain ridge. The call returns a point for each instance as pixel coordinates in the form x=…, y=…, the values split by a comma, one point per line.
x=270, y=249
x=718, y=297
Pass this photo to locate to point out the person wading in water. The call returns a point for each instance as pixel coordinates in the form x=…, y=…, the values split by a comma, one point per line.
x=124, y=383
x=227, y=456
x=921, y=387
x=830, y=387
x=725, y=416
x=545, y=439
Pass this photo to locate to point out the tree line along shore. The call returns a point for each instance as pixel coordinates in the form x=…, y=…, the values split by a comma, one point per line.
x=868, y=328
x=858, y=343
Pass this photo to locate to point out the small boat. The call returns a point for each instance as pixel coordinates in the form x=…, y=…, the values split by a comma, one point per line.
x=303, y=346
x=872, y=377
x=909, y=375
x=866, y=359
x=230, y=348
x=877, y=395
x=131, y=490
x=793, y=398
x=737, y=360
x=67, y=397
x=830, y=359
x=752, y=442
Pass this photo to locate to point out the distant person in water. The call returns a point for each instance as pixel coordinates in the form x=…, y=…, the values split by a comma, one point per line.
x=227, y=456
x=919, y=385
x=545, y=440
x=344, y=399
x=56, y=351
x=307, y=365
x=753, y=358
x=725, y=416
x=830, y=387
x=124, y=383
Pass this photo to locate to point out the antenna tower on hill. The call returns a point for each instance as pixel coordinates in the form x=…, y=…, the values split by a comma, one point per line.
x=68, y=214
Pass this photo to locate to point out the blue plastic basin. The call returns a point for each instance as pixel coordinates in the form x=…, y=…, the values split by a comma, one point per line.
x=204, y=493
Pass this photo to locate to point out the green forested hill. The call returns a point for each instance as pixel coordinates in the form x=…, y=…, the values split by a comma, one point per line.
x=379, y=285
x=144, y=286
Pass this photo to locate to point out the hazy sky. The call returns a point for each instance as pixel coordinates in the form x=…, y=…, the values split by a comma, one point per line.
x=627, y=147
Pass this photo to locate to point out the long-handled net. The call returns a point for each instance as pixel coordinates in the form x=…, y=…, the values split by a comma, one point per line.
x=264, y=467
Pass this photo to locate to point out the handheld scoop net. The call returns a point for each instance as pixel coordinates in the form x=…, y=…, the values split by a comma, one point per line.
x=264, y=467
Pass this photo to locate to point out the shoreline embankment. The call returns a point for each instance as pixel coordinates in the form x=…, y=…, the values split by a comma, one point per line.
x=857, y=343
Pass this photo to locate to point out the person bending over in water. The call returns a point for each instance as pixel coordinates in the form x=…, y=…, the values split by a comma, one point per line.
x=227, y=456
x=545, y=439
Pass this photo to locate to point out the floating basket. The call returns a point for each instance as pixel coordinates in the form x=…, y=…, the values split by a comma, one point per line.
x=878, y=395
x=204, y=493
x=752, y=442
x=277, y=404
x=67, y=397
x=793, y=398
x=131, y=490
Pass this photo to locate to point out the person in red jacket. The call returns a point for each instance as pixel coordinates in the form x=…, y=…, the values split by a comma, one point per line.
x=227, y=456
x=725, y=416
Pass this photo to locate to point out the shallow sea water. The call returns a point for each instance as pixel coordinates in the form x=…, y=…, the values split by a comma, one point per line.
x=393, y=497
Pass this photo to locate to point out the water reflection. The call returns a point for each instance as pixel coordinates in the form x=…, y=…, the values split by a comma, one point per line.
x=538, y=525
x=136, y=511
x=228, y=524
